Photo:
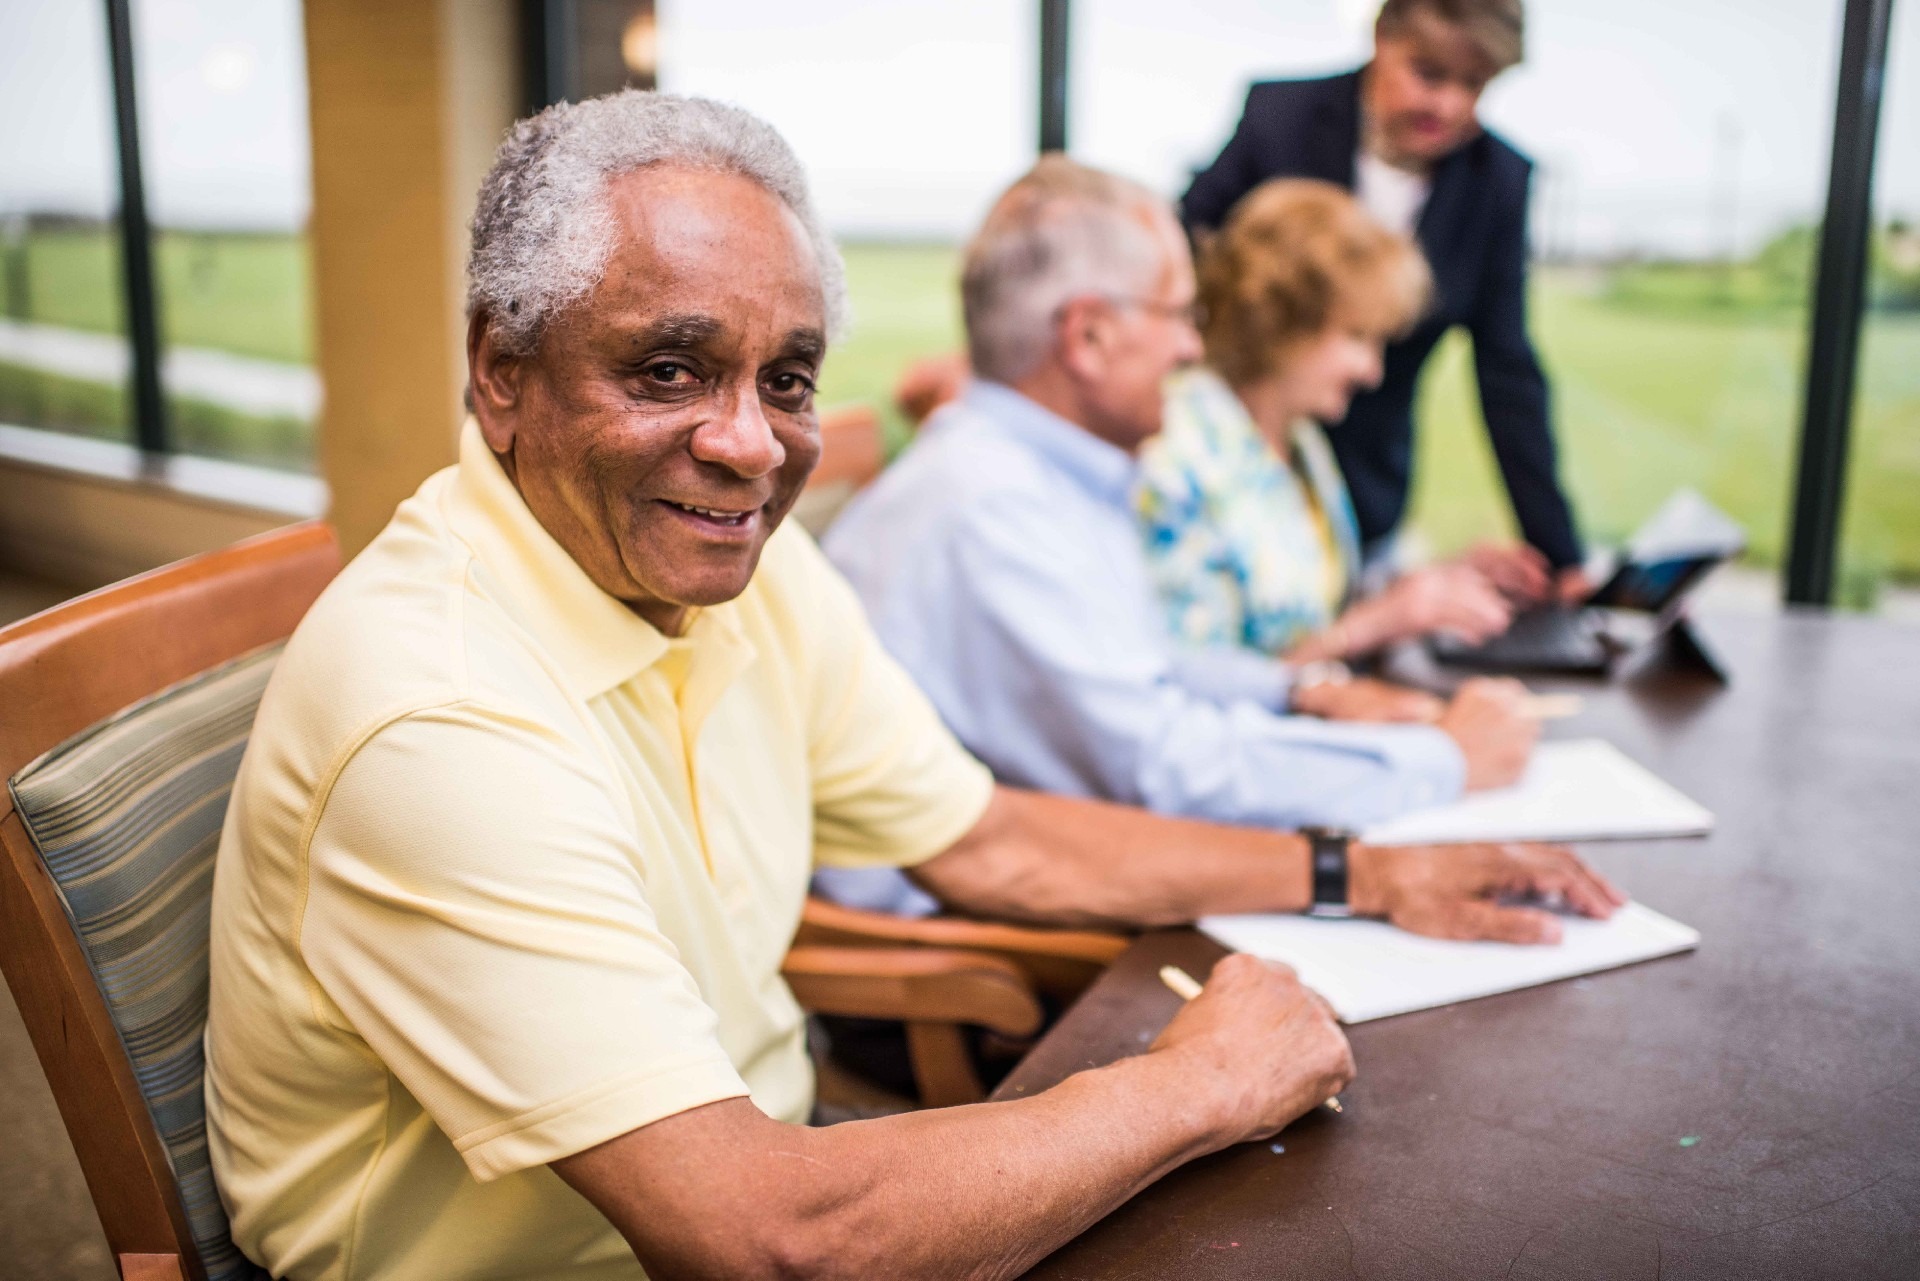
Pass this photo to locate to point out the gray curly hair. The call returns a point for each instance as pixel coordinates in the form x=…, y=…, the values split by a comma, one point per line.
x=542, y=229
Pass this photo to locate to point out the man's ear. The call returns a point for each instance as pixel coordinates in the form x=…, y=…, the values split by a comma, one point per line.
x=1083, y=334
x=494, y=384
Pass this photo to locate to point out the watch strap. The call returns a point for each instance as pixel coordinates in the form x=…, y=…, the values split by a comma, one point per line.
x=1327, y=848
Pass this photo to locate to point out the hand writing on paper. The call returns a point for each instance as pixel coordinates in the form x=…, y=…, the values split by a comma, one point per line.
x=1261, y=1047
x=1453, y=891
x=1490, y=722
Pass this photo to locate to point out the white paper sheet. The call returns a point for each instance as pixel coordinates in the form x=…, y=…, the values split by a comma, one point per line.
x=1579, y=790
x=1370, y=970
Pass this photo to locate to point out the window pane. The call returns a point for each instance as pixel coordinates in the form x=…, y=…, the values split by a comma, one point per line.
x=1880, y=534
x=1681, y=155
x=63, y=353
x=1156, y=89
x=909, y=119
x=224, y=140
x=1671, y=230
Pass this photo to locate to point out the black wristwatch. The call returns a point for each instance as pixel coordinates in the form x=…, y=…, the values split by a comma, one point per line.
x=1329, y=853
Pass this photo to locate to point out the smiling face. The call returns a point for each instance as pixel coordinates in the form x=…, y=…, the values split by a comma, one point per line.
x=1421, y=90
x=665, y=423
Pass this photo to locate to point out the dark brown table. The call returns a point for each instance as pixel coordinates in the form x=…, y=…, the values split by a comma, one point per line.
x=1751, y=1110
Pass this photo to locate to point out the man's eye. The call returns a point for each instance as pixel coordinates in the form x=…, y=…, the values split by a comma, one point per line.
x=791, y=385
x=669, y=371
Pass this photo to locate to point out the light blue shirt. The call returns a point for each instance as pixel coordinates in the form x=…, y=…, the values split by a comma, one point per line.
x=1000, y=562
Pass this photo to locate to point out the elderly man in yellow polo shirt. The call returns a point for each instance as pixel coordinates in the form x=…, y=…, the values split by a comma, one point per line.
x=527, y=819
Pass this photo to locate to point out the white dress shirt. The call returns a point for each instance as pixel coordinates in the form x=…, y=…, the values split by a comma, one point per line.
x=1393, y=196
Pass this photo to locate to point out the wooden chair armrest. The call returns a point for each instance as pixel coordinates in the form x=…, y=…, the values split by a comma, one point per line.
x=861, y=928
x=151, y=1267
x=914, y=985
x=1060, y=963
x=932, y=991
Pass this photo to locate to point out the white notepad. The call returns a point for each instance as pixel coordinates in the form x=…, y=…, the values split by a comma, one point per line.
x=1579, y=790
x=1370, y=970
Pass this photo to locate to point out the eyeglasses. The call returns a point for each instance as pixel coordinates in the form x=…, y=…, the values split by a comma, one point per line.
x=1193, y=313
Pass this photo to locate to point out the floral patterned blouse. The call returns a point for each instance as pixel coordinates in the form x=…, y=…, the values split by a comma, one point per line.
x=1247, y=548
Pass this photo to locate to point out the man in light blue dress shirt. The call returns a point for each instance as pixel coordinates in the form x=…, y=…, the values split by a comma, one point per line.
x=1000, y=561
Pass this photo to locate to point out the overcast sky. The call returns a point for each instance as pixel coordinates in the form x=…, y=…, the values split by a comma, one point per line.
x=223, y=109
x=1647, y=116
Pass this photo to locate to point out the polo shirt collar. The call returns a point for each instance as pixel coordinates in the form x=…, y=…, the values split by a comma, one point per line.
x=595, y=639
x=1103, y=470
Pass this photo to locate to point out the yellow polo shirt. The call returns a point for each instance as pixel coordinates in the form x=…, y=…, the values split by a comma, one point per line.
x=508, y=873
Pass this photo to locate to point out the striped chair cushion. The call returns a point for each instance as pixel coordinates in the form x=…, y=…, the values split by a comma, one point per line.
x=126, y=816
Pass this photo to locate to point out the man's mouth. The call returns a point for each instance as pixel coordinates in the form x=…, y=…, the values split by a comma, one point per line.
x=723, y=517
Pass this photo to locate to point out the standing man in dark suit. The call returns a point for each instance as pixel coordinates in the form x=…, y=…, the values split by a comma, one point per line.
x=1402, y=135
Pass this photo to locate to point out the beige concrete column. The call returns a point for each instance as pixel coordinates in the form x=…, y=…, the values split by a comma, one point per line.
x=408, y=100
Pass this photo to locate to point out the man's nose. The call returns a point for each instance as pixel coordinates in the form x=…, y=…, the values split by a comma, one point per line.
x=740, y=438
x=1457, y=103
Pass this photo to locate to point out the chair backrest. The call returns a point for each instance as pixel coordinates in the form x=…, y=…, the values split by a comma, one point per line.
x=852, y=452
x=122, y=718
x=929, y=383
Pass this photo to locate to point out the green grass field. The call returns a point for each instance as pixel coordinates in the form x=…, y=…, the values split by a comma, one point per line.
x=245, y=294
x=1662, y=377
x=241, y=293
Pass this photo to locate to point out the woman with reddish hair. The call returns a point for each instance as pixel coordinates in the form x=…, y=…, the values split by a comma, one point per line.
x=1247, y=520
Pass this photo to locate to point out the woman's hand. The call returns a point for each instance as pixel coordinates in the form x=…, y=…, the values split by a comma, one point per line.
x=1455, y=598
x=1518, y=571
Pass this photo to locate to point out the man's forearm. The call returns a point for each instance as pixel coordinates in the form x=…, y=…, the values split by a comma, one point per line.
x=991, y=1190
x=982, y=1191
x=1064, y=861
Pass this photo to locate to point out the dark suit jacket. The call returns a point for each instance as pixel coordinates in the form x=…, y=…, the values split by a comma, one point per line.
x=1474, y=233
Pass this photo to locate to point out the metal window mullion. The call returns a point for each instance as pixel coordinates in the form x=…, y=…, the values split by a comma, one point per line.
x=136, y=241
x=1054, y=29
x=550, y=30
x=1839, y=296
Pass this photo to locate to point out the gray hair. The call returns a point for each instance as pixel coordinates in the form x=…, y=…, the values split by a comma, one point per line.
x=543, y=229
x=1063, y=231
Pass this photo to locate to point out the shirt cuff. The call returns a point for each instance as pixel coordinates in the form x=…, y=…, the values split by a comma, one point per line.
x=1428, y=760
x=1229, y=674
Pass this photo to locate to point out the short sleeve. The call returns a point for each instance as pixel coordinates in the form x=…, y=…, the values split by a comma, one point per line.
x=477, y=912
x=892, y=787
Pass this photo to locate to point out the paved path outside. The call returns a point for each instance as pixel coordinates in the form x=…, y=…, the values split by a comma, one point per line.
x=242, y=383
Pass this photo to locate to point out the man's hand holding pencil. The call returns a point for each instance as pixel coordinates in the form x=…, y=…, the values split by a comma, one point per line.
x=1261, y=1048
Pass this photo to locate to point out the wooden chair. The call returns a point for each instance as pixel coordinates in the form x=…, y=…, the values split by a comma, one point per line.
x=929, y=383
x=107, y=664
x=852, y=452
x=62, y=673
x=1059, y=964
x=990, y=976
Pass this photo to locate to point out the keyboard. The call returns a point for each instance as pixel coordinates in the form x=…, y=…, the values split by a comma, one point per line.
x=1548, y=638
